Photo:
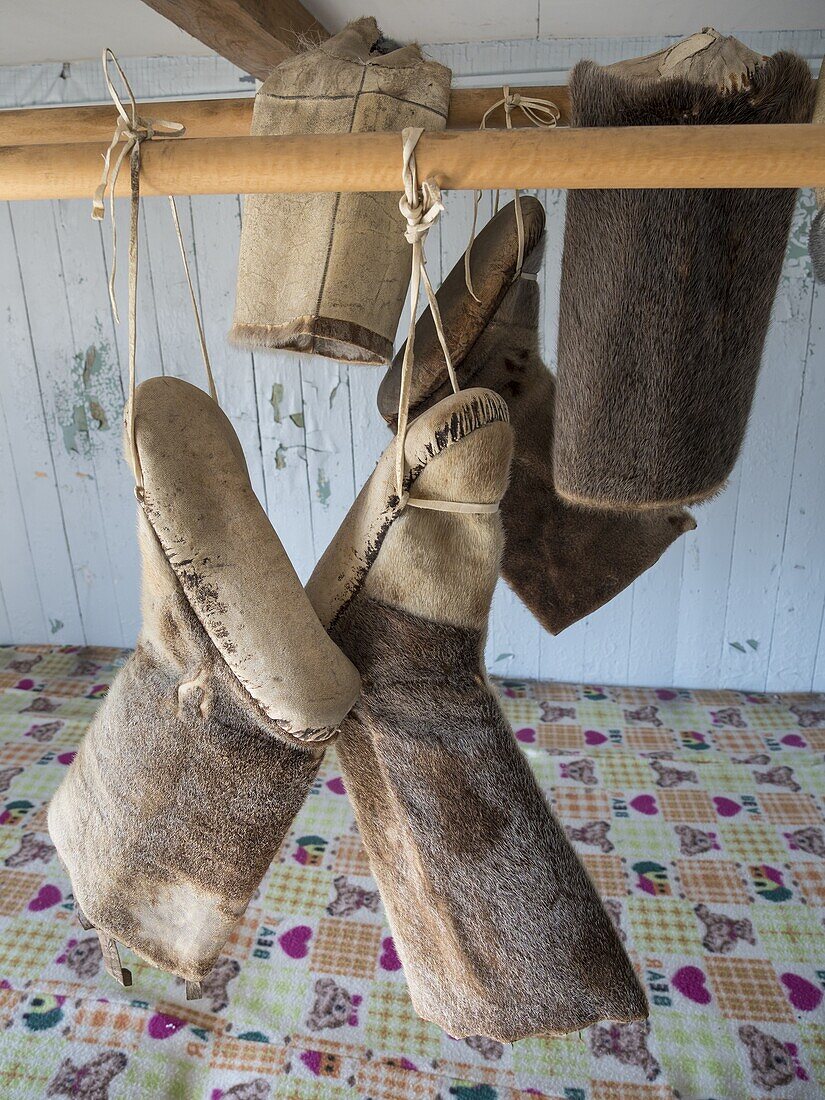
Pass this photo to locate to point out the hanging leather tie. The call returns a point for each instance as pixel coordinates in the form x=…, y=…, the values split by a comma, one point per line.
x=132, y=129
x=421, y=206
x=542, y=113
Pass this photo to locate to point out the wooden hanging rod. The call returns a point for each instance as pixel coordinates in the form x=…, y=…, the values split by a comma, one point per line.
x=229, y=117
x=628, y=156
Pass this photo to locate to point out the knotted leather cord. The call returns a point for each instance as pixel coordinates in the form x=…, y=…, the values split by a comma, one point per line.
x=421, y=206
x=133, y=130
x=542, y=113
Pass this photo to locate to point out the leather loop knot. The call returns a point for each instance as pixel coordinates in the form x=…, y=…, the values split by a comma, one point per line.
x=542, y=113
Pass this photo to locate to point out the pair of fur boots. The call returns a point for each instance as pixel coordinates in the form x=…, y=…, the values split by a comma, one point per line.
x=212, y=733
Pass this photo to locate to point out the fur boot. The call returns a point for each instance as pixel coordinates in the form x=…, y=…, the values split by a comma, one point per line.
x=666, y=295
x=499, y=929
x=327, y=273
x=563, y=561
x=209, y=740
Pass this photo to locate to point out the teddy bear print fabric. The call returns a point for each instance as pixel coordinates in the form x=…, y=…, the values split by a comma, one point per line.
x=700, y=817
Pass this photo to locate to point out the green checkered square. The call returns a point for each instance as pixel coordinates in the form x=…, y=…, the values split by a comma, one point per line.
x=273, y=995
x=175, y=1076
x=635, y=838
x=810, y=779
x=770, y=718
x=39, y=781
x=750, y=840
x=393, y=1027
x=686, y=715
x=813, y=1053
x=703, y=1060
x=538, y=1062
x=789, y=932
x=600, y=715
x=28, y=1064
x=543, y=767
x=304, y=1088
x=718, y=774
x=324, y=814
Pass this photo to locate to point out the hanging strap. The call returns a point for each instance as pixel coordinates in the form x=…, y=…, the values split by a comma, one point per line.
x=421, y=206
x=133, y=130
x=542, y=113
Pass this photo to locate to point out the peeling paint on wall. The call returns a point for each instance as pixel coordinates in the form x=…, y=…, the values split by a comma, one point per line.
x=323, y=490
x=92, y=388
x=275, y=399
x=75, y=425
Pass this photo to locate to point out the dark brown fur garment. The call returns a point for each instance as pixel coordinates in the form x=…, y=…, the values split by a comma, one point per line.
x=501, y=931
x=666, y=298
x=563, y=561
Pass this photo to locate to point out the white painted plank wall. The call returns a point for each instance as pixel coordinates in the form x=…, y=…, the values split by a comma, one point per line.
x=739, y=602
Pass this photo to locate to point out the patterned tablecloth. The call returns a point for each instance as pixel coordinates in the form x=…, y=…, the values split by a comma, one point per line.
x=698, y=814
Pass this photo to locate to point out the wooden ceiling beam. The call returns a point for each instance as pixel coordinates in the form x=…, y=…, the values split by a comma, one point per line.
x=255, y=35
x=228, y=117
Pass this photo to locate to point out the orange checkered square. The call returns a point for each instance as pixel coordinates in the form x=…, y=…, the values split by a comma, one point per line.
x=738, y=741
x=39, y=820
x=350, y=857
x=9, y=1000
x=245, y=1056
x=244, y=934
x=716, y=880
x=815, y=738
x=20, y=754
x=664, y=927
x=633, y=696
x=553, y=735
x=68, y=689
x=345, y=947
x=17, y=888
x=581, y=804
x=810, y=878
x=624, y=1090
x=22, y=941
x=714, y=697
x=650, y=740
x=607, y=872
x=748, y=989
x=686, y=806
x=386, y=1079
x=790, y=809
x=556, y=693
x=624, y=771
x=115, y=1025
x=296, y=889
